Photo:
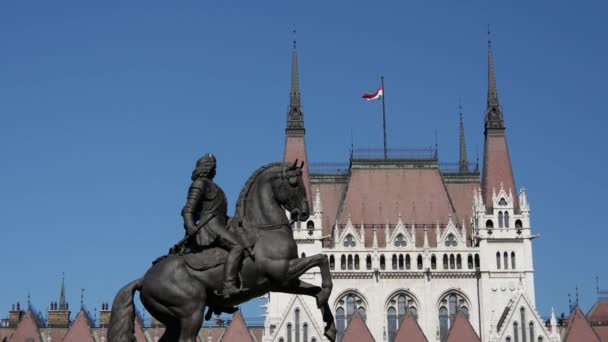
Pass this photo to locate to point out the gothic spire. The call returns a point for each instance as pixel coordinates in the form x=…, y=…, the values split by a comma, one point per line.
x=295, y=116
x=494, y=117
x=463, y=164
x=62, y=305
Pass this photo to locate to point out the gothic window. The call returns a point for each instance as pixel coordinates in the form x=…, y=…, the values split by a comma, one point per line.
x=518, y=224
x=419, y=261
x=350, y=262
x=305, y=332
x=408, y=262
x=515, y=332
x=346, y=306
x=400, y=241
x=340, y=323
x=445, y=261
x=433, y=262
x=502, y=202
x=368, y=262
x=540, y=339
x=449, y=305
x=452, y=262
x=332, y=262
x=513, y=262
x=382, y=262
x=310, y=226
x=506, y=219
x=281, y=340
x=500, y=224
x=343, y=262
x=401, y=261
x=297, y=325
x=362, y=313
x=489, y=224
x=477, y=263
x=506, y=260
x=303, y=255
x=398, y=306
x=313, y=340
x=349, y=241
x=356, y=262
x=531, y=332
x=498, y=260
x=508, y=339
x=470, y=262
x=523, y=324
x=394, y=263
x=288, y=332
x=451, y=241
x=458, y=262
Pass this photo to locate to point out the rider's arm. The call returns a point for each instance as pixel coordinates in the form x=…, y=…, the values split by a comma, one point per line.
x=195, y=195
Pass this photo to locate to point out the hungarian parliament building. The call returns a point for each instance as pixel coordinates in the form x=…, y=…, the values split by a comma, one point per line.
x=418, y=250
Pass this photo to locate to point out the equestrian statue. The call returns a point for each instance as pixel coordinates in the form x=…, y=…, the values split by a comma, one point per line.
x=223, y=262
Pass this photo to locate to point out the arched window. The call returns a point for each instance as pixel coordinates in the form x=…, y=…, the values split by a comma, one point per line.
x=392, y=323
x=340, y=323
x=518, y=224
x=382, y=262
x=449, y=305
x=368, y=262
x=362, y=313
x=350, y=307
x=343, y=262
x=297, y=325
x=394, y=262
x=332, y=262
x=349, y=241
x=507, y=224
x=513, y=262
x=445, y=261
x=356, y=262
x=498, y=260
x=489, y=224
x=506, y=260
x=458, y=262
x=515, y=332
x=502, y=202
x=313, y=340
x=419, y=261
x=350, y=262
x=500, y=224
x=281, y=340
x=303, y=255
x=452, y=262
x=470, y=262
x=450, y=241
x=400, y=241
x=508, y=339
x=433, y=262
x=289, y=332
x=443, y=323
x=401, y=261
x=540, y=339
x=305, y=332
x=310, y=226
x=522, y=312
x=531, y=332
x=408, y=262
x=477, y=261
x=398, y=306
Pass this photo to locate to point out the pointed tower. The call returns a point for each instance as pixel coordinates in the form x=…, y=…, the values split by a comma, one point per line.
x=463, y=164
x=497, y=168
x=59, y=313
x=295, y=145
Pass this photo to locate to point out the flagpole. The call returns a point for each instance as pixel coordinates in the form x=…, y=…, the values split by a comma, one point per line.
x=383, y=117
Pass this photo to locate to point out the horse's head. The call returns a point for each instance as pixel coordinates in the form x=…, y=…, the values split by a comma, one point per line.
x=290, y=191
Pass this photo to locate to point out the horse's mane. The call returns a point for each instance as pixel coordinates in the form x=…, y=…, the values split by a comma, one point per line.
x=240, y=202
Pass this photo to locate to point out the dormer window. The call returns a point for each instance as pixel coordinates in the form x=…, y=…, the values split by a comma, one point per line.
x=400, y=241
x=451, y=241
x=349, y=241
x=502, y=202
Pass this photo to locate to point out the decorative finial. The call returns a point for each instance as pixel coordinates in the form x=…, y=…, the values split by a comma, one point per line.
x=489, y=37
x=294, y=37
x=29, y=302
x=81, y=298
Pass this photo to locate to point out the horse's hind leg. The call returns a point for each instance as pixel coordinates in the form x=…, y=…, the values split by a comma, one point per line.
x=190, y=325
x=299, y=266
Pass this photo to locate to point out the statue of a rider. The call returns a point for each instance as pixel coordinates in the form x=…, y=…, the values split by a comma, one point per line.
x=205, y=222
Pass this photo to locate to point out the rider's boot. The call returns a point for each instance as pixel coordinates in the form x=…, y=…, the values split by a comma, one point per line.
x=231, y=268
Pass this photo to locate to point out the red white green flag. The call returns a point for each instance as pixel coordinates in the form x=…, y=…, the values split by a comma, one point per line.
x=375, y=96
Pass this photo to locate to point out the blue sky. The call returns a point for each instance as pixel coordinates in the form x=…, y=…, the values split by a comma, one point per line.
x=104, y=107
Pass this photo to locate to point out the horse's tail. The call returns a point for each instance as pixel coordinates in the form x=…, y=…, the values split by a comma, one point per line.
x=122, y=318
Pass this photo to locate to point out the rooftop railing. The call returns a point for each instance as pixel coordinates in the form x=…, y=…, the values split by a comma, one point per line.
x=427, y=153
x=329, y=168
x=470, y=167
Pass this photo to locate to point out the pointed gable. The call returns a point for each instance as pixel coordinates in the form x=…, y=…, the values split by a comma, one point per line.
x=410, y=331
x=357, y=330
x=237, y=330
x=462, y=330
x=579, y=329
x=80, y=331
x=27, y=330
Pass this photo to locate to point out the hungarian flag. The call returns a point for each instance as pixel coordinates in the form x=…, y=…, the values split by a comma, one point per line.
x=375, y=96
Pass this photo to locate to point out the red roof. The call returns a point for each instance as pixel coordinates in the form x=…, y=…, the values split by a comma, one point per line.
x=295, y=148
x=579, y=329
x=80, y=331
x=375, y=195
x=602, y=332
x=237, y=330
x=599, y=312
x=461, y=195
x=410, y=331
x=497, y=168
x=357, y=330
x=331, y=196
x=27, y=329
x=462, y=330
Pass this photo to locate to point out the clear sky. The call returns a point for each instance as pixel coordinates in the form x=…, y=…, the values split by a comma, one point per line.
x=105, y=106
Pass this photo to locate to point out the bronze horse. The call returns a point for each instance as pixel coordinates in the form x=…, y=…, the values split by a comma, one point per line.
x=177, y=295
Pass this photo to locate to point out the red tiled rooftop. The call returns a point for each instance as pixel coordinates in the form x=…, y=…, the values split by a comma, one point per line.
x=357, y=330
x=410, y=331
x=237, y=330
x=462, y=330
x=80, y=331
x=579, y=329
x=497, y=168
x=27, y=329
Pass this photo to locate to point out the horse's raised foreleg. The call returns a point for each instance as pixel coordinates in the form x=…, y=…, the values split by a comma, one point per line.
x=300, y=287
x=299, y=266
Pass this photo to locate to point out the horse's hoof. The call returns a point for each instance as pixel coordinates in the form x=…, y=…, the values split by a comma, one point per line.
x=331, y=334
